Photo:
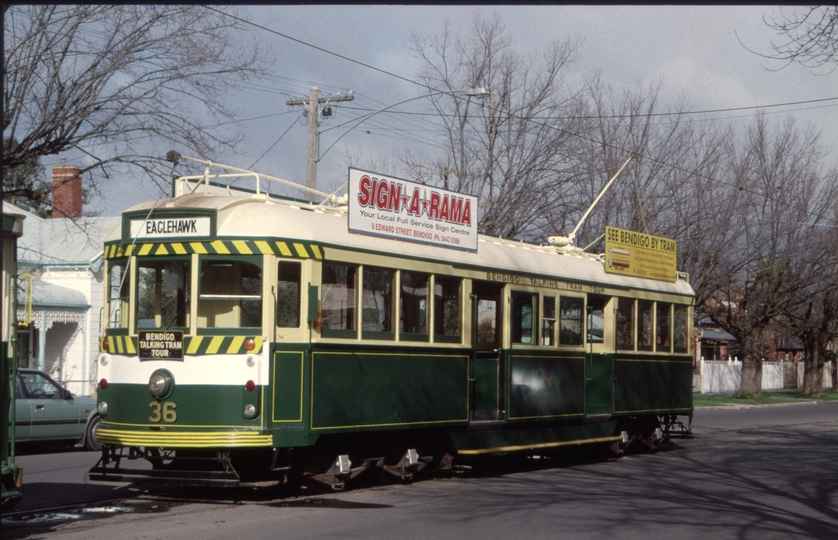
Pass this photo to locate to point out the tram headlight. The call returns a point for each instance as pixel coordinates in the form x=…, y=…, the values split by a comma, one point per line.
x=249, y=410
x=102, y=407
x=161, y=384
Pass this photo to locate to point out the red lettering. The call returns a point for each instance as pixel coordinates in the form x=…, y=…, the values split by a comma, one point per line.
x=364, y=192
x=433, y=213
x=393, y=202
x=381, y=194
x=443, y=212
x=414, y=209
x=456, y=210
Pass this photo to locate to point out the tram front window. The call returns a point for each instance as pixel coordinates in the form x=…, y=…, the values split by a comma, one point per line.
x=162, y=294
x=118, y=287
x=230, y=294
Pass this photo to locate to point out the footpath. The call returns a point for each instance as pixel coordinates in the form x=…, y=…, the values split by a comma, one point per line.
x=766, y=399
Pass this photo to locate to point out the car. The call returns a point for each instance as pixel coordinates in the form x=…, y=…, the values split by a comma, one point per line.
x=46, y=412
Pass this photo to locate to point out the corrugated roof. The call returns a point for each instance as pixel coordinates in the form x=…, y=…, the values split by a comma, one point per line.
x=50, y=295
x=62, y=242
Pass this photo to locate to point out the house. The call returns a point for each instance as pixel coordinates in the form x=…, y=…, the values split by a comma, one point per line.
x=60, y=286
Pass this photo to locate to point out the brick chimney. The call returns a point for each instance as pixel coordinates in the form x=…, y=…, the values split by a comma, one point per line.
x=67, y=193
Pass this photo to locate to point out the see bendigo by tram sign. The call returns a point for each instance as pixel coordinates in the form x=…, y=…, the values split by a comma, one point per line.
x=404, y=210
x=638, y=254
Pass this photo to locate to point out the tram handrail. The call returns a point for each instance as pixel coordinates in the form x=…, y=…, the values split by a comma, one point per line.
x=236, y=172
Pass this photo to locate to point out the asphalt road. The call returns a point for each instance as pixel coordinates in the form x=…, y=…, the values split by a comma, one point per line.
x=749, y=473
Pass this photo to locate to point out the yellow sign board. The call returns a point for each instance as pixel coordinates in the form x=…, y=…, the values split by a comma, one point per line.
x=642, y=255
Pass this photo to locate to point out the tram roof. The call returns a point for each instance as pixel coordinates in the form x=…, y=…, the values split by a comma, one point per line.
x=259, y=216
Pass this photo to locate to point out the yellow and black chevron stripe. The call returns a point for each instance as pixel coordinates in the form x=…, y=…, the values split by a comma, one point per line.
x=300, y=250
x=193, y=345
x=119, y=345
x=199, y=345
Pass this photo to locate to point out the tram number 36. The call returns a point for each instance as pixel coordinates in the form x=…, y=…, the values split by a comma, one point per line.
x=164, y=411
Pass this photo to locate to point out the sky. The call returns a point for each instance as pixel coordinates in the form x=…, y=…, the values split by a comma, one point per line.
x=697, y=53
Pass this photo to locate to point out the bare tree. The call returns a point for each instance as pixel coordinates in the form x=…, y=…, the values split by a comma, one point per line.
x=119, y=83
x=762, y=276
x=809, y=37
x=509, y=151
x=814, y=317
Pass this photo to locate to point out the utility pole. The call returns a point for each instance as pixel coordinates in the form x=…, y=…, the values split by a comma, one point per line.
x=313, y=112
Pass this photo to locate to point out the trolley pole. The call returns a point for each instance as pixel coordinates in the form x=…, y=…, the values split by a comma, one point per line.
x=313, y=113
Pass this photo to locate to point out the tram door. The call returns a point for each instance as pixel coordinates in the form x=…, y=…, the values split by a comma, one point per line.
x=487, y=367
x=599, y=357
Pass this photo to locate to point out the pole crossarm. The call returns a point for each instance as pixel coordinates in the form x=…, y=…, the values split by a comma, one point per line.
x=313, y=112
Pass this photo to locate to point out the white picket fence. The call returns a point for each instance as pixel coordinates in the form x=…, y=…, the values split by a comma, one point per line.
x=725, y=376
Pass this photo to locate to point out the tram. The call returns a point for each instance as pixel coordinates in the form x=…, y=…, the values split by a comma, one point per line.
x=12, y=475
x=256, y=338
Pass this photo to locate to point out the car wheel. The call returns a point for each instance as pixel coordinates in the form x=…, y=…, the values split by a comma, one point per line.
x=90, y=441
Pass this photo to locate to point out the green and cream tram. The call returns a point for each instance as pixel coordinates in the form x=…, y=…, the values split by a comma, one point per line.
x=251, y=338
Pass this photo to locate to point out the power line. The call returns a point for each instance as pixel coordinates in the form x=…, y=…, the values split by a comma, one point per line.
x=321, y=49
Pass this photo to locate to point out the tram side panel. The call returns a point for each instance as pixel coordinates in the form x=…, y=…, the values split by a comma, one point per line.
x=652, y=385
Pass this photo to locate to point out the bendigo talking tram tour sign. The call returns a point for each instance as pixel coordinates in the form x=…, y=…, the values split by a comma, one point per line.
x=641, y=255
x=404, y=210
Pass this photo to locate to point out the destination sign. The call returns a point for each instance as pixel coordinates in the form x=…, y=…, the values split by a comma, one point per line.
x=403, y=210
x=171, y=227
x=642, y=255
x=161, y=344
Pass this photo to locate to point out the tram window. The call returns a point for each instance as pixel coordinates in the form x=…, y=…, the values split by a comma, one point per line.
x=644, y=328
x=625, y=323
x=679, y=334
x=524, y=317
x=119, y=285
x=163, y=294
x=231, y=294
x=413, y=303
x=596, y=318
x=338, y=296
x=663, y=328
x=570, y=320
x=447, y=309
x=377, y=301
x=548, y=320
x=288, y=295
x=488, y=295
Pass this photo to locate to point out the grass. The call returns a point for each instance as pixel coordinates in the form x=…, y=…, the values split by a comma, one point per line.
x=766, y=398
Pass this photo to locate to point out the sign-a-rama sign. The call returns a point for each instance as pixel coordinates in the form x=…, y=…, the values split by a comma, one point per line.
x=404, y=210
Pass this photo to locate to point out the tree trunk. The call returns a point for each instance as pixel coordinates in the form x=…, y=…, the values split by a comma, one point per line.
x=814, y=347
x=752, y=364
x=751, y=375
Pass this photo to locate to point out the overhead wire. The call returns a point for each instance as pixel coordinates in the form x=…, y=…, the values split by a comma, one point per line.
x=536, y=120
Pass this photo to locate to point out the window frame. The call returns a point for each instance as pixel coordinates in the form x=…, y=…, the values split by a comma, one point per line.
x=256, y=260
